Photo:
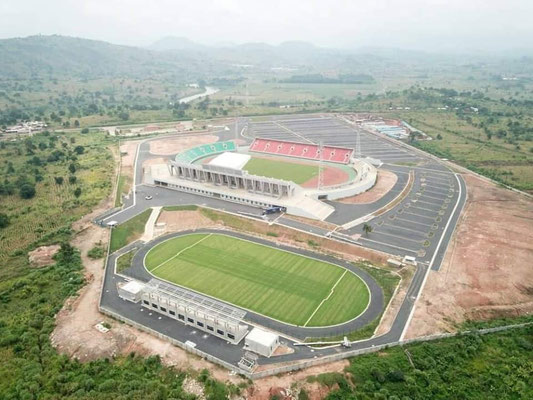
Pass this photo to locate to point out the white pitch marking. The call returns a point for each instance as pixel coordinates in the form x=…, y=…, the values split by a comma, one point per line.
x=329, y=295
x=181, y=251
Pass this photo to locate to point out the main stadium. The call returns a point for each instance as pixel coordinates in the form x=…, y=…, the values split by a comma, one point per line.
x=269, y=173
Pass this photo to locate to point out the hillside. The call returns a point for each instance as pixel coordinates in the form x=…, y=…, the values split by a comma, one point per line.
x=62, y=56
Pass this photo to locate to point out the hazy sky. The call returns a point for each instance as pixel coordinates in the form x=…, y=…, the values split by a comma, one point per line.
x=419, y=24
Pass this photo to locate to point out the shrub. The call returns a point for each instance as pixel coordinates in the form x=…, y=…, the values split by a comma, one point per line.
x=59, y=180
x=4, y=220
x=85, y=130
x=27, y=191
x=96, y=252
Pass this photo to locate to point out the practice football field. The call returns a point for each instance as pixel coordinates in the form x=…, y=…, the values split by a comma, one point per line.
x=289, y=171
x=276, y=283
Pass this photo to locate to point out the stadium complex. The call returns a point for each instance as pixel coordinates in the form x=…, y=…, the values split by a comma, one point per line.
x=310, y=173
x=237, y=295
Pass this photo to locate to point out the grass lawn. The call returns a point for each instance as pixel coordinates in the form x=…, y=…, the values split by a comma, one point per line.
x=124, y=261
x=123, y=187
x=129, y=231
x=276, y=283
x=298, y=173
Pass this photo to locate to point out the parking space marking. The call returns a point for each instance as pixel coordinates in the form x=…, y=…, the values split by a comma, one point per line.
x=398, y=237
x=419, y=215
x=389, y=245
x=412, y=222
x=407, y=229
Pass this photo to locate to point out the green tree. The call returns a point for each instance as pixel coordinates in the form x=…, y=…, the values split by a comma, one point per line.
x=77, y=192
x=27, y=191
x=367, y=228
x=4, y=220
x=59, y=180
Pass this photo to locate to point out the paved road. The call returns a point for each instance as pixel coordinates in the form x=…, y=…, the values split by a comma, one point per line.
x=433, y=184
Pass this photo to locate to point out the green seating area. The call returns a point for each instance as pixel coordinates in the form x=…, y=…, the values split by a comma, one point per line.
x=204, y=150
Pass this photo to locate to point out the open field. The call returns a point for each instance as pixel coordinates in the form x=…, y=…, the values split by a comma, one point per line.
x=278, y=284
x=296, y=172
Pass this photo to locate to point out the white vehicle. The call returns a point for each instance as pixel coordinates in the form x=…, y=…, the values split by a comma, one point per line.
x=111, y=224
x=148, y=197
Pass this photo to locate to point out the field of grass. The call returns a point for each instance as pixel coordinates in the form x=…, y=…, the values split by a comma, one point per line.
x=276, y=283
x=298, y=173
x=129, y=231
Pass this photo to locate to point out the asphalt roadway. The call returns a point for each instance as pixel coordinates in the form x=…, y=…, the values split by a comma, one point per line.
x=434, y=183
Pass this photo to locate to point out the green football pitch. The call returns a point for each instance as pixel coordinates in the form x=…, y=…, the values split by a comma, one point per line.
x=278, y=284
x=286, y=170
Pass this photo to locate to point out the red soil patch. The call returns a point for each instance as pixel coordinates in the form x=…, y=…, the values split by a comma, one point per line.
x=385, y=181
x=332, y=176
x=487, y=269
x=43, y=256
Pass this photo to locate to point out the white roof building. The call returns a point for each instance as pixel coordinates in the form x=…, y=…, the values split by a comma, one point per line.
x=261, y=342
x=131, y=291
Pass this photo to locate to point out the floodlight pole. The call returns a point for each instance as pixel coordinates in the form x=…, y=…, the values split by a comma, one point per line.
x=321, y=165
x=357, y=144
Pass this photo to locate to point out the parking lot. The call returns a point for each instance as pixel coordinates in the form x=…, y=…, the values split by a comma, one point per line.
x=415, y=225
x=331, y=131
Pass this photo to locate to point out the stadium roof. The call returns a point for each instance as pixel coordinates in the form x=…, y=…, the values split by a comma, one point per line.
x=230, y=160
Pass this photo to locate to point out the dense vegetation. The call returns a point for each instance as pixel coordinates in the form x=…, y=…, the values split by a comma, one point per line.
x=498, y=365
x=47, y=182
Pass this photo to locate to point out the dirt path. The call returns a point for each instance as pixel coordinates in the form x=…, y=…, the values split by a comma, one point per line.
x=385, y=182
x=487, y=270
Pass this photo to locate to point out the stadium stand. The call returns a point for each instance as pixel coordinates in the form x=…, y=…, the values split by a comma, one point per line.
x=334, y=154
x=195, y=153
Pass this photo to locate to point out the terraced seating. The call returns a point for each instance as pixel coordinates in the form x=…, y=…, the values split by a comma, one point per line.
x=334, y=154
x=197, y=152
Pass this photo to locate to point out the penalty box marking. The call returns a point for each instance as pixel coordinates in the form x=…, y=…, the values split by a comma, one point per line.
x=181, y=251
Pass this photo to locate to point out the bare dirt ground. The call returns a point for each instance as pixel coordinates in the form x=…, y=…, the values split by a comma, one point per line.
x=332, y=176
x=385, y=181
x=43, y=256
x=185, y=220
x=263, y=389
x=487, y=269
x=127, y=159
x=170, y=146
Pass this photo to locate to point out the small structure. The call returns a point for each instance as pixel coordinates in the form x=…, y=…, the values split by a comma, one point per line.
x=131, y=291
x=261, y=342
x=409, y=260
x=392, y=262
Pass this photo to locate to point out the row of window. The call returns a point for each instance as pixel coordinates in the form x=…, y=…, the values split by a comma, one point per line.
x=190, y=320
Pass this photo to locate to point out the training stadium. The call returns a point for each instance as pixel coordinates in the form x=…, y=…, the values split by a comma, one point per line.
x=269, y=173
